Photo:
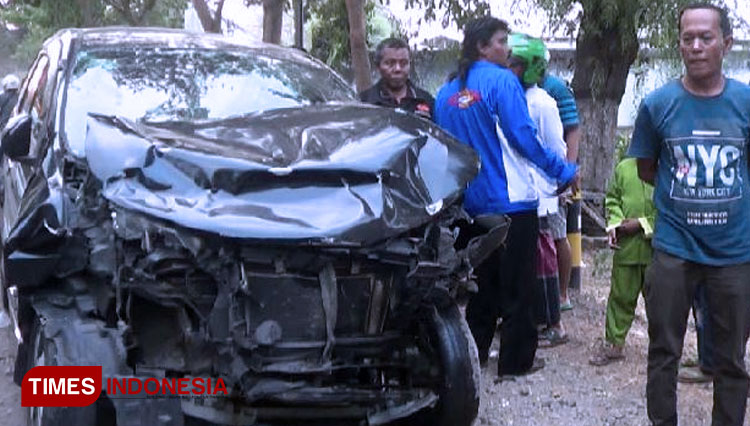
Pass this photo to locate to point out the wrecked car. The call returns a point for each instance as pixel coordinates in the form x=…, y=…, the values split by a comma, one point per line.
x=179, y=205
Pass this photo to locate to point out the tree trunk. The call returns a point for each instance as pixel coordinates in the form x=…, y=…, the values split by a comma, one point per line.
x=603, y=59
x=273, y=11
x=299, y=24
x=358, y=43
x=598, y=129
x=211, y=23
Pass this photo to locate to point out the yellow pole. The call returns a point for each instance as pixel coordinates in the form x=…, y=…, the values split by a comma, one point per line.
x=574, y=238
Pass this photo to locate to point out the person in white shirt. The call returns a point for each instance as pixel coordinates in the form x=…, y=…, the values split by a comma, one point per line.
x=528, y=60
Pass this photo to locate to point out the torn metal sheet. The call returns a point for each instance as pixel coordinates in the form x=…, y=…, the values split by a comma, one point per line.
x=331, y=173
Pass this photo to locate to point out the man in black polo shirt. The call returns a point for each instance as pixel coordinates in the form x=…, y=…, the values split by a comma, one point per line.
x=394, y=89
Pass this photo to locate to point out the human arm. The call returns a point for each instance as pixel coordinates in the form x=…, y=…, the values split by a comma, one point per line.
x=551, y=133
x=649, y=219
x=572, y=139
x=613, y=208
x=568, y=111
x=647, y=170
x=647, y=224
x=544, y=112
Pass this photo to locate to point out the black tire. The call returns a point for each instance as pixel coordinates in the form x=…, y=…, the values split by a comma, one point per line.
x=454, y=345
x=43, y=351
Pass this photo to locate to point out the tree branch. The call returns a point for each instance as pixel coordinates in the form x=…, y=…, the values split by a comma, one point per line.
x=273, y=12
x=217, y=17
x=204, y=15
x=358, y=43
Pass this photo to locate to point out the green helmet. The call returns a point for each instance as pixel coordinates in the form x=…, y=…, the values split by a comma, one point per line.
x=534, y=54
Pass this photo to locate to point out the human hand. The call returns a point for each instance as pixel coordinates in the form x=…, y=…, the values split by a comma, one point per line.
x=612, y=239
x=575, y=186
x=629, y=227
x=566, y=199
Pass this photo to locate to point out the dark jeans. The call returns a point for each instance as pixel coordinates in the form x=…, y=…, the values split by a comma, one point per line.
x=703, y=330
x=507, y=289
x=670, y=288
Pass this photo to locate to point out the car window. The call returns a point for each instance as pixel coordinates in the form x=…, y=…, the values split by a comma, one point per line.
x=157, y=84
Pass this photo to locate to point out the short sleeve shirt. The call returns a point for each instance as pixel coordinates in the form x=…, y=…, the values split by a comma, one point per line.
x=566, y=103
x=701, y=191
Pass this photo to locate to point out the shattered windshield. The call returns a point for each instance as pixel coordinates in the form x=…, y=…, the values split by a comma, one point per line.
x=157, y=84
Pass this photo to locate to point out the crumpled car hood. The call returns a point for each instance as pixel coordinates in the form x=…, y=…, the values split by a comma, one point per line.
x=329, y=173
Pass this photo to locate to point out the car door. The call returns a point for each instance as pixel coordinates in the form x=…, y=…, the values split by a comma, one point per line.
x=17, y=172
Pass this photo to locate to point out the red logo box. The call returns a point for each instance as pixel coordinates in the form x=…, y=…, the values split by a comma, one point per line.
x=61, y=386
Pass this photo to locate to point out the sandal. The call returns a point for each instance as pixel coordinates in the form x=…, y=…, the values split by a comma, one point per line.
x=552, y=337
x=607, y=354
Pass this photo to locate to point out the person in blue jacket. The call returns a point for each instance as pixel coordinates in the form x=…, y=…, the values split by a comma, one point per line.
x=484, y=106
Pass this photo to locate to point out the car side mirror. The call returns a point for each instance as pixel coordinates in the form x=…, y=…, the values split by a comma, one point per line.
x=17, y=137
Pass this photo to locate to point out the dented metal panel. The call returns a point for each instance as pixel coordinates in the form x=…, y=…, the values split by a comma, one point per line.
x=330, y=173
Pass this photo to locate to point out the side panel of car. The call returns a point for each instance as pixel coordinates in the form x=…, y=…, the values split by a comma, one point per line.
x=37, y=101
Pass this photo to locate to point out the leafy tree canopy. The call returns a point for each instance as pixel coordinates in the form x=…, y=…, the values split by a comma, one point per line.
x=39, y=19
x=329, y=30
x=655, y=22
x=457, y=11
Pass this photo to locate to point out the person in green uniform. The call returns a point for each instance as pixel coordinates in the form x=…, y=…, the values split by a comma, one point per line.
x=630, y=219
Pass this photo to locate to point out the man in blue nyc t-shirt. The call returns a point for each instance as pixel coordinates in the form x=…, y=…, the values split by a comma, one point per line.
x=691, y=140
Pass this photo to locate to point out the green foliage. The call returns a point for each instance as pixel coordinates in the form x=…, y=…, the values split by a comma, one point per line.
x=650, y=25
x=42, y=18
x=655, y=22
x=457, y=11
x=167, y=13
x=429, y=66
x=329, y=30
x=40, y=21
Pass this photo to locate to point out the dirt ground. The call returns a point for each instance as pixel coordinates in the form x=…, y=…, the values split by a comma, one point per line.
x=11, y=413
x=568, y=391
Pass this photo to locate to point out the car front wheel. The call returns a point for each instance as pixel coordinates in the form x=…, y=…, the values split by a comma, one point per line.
x=454, y=347
x=44, y=352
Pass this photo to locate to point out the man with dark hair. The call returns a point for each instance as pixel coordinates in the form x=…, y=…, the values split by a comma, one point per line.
x=691, y=139
x=394, y=89
x=484, y=106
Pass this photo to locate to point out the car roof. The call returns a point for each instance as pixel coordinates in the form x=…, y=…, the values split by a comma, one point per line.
x=175, y=38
